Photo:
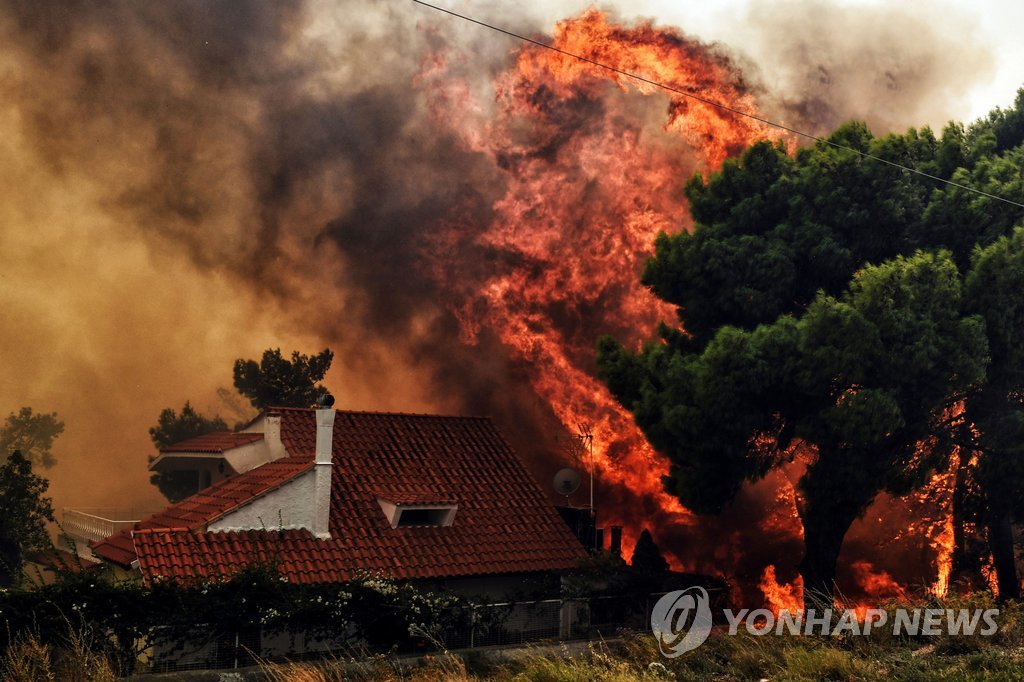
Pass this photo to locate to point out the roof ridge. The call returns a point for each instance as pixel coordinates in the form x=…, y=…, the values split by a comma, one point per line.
x=252, y=473
x=386, y=413
x=211, y=436
x=265, y=491
x=150, y=531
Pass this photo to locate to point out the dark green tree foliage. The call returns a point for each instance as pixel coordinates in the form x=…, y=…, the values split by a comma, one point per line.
x=987, y=156
x=784, y=346
x=878, y=391
x=995, y=290
x=647, y=556
x=860, y=380
x=275, y=381
x=1002, y=130
x=773, y=230
x=173, y=427
x=25, y=512
x=126, y=619
x=648, y=565
x=31, y=434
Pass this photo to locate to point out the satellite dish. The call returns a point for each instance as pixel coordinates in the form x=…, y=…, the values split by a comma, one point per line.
x=566, y=482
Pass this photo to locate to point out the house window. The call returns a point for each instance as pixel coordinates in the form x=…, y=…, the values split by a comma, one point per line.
x=422, y=517
x=418, y=515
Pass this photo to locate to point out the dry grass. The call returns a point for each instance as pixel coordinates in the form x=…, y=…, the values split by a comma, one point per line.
x=445, y=667
x=29, y=660
x=635, y=658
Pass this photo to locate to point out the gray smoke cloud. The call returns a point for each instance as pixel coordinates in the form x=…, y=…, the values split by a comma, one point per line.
x=185, y=183
x=823, y=63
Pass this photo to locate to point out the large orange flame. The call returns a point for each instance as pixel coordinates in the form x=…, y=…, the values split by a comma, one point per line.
x=588, y=187
x=781, y=596
x=584, y=184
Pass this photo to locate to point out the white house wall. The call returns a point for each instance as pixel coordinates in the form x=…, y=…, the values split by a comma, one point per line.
x=287, y=507
x=256, y=426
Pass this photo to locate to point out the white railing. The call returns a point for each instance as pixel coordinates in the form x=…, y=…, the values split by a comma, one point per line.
x=99, y=523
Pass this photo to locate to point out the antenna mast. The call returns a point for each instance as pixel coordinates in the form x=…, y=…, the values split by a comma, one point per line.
x=586, y=437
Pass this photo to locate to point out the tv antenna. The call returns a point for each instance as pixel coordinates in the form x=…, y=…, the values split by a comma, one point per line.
x=586, y=438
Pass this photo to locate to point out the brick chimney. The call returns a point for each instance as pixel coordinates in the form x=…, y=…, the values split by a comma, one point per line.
x=323, y=467
x=615, y=546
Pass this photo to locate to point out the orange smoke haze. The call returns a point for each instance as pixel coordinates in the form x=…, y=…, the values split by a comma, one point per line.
x=457, y=216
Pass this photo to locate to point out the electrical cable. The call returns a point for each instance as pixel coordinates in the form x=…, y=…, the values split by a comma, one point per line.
x=719, y=105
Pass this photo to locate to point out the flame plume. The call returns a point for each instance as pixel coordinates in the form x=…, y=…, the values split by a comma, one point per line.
x=591, y=163
x=588, y=189
x=781, y=596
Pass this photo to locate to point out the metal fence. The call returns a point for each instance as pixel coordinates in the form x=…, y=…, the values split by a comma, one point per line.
x=506, y=623
x=499, y=624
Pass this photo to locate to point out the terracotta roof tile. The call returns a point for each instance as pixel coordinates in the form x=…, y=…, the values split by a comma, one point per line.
x=504, y=521
x=218, y=441
x=207, y=505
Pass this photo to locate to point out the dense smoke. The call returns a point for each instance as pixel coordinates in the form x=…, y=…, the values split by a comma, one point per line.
x=825, y=63
x=191, y=182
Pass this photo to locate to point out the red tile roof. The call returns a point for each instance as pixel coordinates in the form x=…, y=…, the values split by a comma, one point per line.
x=207, y=505
x=218, y=441
x=504, y=523
x=417, y=497
x=59, y=559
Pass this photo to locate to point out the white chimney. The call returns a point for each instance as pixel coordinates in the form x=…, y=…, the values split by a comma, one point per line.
x=323, y=467
x=272, y=435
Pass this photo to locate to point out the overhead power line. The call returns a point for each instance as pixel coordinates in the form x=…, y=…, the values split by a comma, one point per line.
x=711, y=102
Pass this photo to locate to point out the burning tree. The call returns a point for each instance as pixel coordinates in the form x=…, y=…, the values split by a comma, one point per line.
x=792, y=344
x=996, y=412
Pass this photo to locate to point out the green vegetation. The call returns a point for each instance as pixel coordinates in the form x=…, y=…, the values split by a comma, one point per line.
x=834, y=306
x=24, y=512
x=274, y=381
x=122, y=621
x=634, y=657
x=32, y=434
x=171, y=428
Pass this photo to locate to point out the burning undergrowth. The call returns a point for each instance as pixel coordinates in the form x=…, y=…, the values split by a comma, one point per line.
x=458, y=216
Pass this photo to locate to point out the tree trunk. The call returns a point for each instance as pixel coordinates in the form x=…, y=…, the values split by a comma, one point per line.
x=968, y=548
x=825, y=525
x=1000, y=541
